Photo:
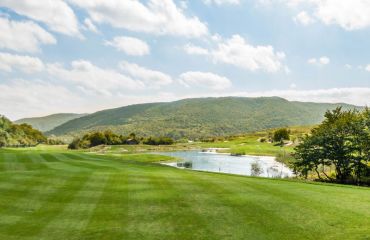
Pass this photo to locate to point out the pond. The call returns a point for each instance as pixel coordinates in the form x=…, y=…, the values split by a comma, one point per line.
x=262, y=166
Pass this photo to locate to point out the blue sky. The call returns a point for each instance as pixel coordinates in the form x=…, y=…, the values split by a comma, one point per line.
x=88, y=55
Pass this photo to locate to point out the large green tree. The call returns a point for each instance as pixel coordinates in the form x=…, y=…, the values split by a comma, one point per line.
x=341, y=141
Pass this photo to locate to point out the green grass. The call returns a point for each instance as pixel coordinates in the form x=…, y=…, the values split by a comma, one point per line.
x=58, y=194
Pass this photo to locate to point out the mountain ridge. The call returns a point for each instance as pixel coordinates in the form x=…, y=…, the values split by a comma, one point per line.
x=49, y=122
x=201, y=117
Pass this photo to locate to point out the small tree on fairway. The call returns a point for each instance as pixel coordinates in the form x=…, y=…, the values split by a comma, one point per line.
x=280, y=135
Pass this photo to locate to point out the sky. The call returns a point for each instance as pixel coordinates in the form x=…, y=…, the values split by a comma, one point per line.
x=87, y=55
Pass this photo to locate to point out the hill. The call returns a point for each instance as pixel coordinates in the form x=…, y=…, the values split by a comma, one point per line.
x=47, y=123
x=202, y=117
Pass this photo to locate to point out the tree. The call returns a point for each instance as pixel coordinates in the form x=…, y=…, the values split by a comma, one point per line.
x=280, y=135
x=111, y=138
x=75, y=144
x=97, y=138
x=341, y=140
x=158, y=141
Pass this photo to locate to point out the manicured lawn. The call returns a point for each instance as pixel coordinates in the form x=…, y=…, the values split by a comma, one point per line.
x=57, y=194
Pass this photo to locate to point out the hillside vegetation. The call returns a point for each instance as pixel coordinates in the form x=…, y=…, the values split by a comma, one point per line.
x=197, y=118
x=18, y=135
x=48, y=123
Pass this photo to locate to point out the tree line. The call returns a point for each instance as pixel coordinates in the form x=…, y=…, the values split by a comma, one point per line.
x=109, y=138
x=337, y=150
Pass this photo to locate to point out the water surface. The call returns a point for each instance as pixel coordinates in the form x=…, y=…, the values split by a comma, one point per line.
x=262, y=166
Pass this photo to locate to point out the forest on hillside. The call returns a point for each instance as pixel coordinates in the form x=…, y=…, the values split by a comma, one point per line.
x=18, y=135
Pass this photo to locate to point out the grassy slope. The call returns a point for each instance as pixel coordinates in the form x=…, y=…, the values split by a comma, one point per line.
x=47, y=123
x=55, y=194
x=193, y=118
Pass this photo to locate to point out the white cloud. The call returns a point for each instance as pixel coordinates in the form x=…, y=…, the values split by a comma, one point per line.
x=195, y=50
x=204, y=79
x=23, y=36
x=357, y=96
x=238, y=52
x=348, y=66
x=26, y=64
x=312, y=61
x=150, y=77
x=160, y=17
x=319, y=62
x=94, y=79
x=129, y=45
x=36, y=98
x=56, y=14
x=367, y=68
x=22, y=98
x=89, y=25
x=348, y=14
x=221, y=2
x=303, y=18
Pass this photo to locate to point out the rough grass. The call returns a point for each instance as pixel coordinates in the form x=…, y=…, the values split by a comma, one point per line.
x=55, y=194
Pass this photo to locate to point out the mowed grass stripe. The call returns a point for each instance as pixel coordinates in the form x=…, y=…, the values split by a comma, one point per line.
x=114, y=162
x=52, y=205
x=30, y=199
x=146, y=217
x=78, y=160
x=30, y=161
x=49, y=157
x=313, y=192
x=11, y=163
x=286, y=212
x=305, y=194
x=17, y=187
x=110, y=217
x=156, y=203
x=54, y=163
x=38, y=161
x=77, y=213
x=252, y=210
x=2, y=162
x=211, y=215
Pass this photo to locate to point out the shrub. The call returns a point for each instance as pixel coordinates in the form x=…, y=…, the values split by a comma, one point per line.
x=280, y=135
x=158, y=141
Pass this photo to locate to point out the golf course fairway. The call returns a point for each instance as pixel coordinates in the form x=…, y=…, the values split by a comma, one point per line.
x=59, y=194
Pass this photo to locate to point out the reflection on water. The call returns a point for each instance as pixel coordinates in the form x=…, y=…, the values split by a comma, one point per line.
x=243, y=165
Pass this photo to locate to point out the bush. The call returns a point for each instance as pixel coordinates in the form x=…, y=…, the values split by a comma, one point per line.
x=280, y=135
x=158, y=141
x=52, y=141
x=262, y=140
